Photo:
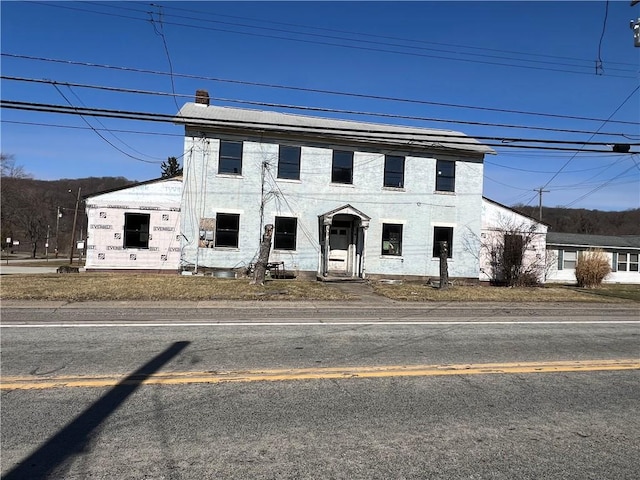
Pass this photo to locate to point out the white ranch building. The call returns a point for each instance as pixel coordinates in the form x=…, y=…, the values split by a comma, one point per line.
x=135, y=228
x=623, y=253
x=346, y=198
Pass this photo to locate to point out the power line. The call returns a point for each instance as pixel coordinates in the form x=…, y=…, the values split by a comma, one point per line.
x=353, y=134
x=307, y=108
x=102, y=136
x=324, y=43
x=599, y=128
x=313, y=90
x=470, y=47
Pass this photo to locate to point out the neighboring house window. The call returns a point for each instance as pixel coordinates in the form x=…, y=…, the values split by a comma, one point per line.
x=342, y=169
x=136, y=230
x=286, y=229
x=442, y=234
x=627, y=262
x=391, y=239
x=569, y=259
x=445, y=176
x=230, y=158
x=289, y=162
x=393, y=171
x=227, y=228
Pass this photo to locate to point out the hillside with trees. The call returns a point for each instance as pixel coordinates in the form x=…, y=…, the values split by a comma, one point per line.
x=30, y=210
x=593, y=222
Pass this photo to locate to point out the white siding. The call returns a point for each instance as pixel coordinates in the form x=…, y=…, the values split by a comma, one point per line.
x=417, y=206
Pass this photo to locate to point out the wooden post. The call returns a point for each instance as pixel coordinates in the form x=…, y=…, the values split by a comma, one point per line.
x=444, y=268
x=263, y=256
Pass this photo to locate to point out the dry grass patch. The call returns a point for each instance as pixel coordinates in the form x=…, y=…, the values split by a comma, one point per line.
x=420, y=292
x=106, y=286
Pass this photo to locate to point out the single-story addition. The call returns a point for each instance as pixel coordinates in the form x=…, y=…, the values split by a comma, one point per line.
x=135, y=227
x=346, y=198
x=622, y=251
x=510, y=241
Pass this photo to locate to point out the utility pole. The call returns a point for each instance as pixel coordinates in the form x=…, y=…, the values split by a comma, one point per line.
x=73, y=232
x=58, y=216
x=540, y=192
x=635, y=26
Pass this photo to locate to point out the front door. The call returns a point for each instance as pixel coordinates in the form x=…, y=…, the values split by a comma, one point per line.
x=339, y=236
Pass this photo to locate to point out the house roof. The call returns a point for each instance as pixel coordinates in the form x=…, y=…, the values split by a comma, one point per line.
x=197, y=114
x=593, y=241
x=132, y=185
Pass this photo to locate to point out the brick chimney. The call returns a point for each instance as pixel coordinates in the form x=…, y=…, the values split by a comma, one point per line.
x=202, y=96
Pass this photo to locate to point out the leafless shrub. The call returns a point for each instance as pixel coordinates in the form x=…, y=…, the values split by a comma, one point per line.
x=592, y=268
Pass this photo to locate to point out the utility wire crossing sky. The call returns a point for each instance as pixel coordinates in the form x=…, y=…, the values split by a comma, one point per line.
x=91, y=88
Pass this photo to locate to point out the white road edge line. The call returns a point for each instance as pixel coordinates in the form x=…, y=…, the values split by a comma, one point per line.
x=313, y=324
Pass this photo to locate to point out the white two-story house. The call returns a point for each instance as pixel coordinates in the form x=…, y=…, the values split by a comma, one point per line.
x=346, y=198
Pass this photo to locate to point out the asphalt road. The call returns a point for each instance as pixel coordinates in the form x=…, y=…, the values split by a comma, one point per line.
x=259, y=416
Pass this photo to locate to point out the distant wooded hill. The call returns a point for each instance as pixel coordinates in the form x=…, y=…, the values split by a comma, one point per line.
x=30, y=210
x=579, y=220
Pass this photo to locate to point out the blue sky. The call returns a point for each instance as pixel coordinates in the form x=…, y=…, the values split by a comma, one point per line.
x=558, y=59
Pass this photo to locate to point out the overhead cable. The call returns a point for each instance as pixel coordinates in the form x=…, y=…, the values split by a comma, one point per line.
x=307, y=108
x=312, y=90
x=337, y=132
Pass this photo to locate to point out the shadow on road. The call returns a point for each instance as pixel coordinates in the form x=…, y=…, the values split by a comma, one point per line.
x=75, y=437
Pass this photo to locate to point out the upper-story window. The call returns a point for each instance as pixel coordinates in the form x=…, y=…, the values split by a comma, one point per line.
x=230, y=161
x=445, y=176
x=342, y=168
x=393, y=171
x=289, y=162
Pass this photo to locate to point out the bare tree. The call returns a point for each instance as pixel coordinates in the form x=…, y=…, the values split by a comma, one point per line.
x=8, y=167
x=512, y=253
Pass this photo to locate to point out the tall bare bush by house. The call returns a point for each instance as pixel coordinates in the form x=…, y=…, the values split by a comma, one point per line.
x=592, y=268
x=512, y=248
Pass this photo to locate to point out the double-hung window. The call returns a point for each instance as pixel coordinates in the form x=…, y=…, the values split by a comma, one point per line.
x=391, y=239
x=227, y=229
x=230, y=161
x=136, y=230
x=445, y=176
x=393, y=171
x=285, y=233
x=627, y=262
x=442, y=234
x=342, y=167
x=289, y=162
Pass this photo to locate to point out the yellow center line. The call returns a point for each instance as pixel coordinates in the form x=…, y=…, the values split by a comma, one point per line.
x=177, y=378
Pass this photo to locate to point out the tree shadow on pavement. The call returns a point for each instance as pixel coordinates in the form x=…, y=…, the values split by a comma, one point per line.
x=74, y=438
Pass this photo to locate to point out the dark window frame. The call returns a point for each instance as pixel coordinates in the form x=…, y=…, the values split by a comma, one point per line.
x=441, y=234
x=445, y=176
x=229, y=159
x=342, y=167
x=285, y=235
x=289, y=162
x=392, y=239
x=394, y=171
x=135, y=234
x=227, y=230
